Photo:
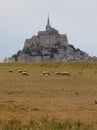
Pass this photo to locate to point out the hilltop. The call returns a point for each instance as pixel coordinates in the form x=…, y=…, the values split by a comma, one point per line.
x=49, y=45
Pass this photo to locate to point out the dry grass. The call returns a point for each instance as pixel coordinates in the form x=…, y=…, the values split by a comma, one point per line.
x=62, y=97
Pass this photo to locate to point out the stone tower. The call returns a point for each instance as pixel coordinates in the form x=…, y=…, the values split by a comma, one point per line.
x=48, y=26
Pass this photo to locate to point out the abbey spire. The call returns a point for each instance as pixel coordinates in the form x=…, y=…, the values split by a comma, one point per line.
x=48, y=26
x=48, y=22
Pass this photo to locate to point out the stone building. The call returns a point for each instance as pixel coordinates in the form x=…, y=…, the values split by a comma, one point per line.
x=49, y=45
x=48, y=37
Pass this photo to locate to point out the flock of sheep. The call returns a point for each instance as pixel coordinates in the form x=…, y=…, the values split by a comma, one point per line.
x=57, y=73
x=23, y=72
x=49, y=73
x=45, y=73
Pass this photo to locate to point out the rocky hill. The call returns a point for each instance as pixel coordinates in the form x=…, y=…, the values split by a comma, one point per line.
x=48, y=46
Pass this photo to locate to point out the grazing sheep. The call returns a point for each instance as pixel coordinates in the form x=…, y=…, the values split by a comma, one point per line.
x=11, y=71
x=80, y=72
x=58, y=73
x=46, y=73
x=25, y=73
x=20, y=71
x=65, y=73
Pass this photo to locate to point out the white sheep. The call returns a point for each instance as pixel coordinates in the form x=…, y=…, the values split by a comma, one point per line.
x=46, y=73
x=65, y=73
x=25, y=73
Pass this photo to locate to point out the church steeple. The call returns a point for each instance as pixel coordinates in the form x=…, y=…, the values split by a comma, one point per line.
x=48, y=26
x=48, y=22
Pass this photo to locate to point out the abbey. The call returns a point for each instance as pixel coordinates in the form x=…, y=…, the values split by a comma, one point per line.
x=49, y=45
x=49, y=36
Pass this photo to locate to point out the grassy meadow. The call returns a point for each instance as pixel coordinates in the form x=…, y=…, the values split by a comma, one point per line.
x=53, y=99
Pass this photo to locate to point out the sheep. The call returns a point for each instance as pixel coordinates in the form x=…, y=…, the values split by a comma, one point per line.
x=46, y=73
x=25, y=73
x=20, y=71
x=58, y=73
x=65, y=73
x=80, y=72
x=11, y=71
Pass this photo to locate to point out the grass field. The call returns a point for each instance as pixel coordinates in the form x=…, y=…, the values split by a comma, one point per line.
x=64, y=98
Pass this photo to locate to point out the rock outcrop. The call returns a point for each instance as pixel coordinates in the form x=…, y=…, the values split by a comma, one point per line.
x=48, y=46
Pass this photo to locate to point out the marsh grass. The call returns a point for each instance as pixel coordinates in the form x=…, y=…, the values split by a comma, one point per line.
x=45, y=124
x=36, y=95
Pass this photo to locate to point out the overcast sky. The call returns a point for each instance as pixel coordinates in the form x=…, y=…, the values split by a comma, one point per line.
x=21, y=19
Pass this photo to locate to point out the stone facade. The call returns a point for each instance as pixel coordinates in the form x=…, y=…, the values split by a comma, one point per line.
x=48, y=37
